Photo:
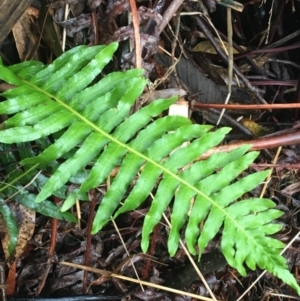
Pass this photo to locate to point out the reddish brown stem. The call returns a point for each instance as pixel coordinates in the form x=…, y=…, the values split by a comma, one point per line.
x=270, y=165
x=11, y=280
x=258, y=144
x=291, y=83
x=137, y=38
x=267, y=50
x=151, y=252
x=246, y=107
x=93, y=199
x=51, y=251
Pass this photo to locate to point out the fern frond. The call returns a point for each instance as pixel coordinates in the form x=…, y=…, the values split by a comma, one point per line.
x=11, y=224
x=96, y=132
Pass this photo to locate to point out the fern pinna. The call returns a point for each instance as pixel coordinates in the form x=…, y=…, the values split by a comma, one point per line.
x=95, y=131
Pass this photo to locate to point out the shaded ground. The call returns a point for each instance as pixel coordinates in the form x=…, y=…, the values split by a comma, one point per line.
x=268, y=73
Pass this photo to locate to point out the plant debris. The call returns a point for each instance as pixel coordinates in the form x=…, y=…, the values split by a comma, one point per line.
x=266, y=67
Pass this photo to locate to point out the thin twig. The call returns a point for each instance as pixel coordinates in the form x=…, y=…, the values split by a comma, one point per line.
x=108, y=183
x=64, y=35
x=278, y=18
x=269, y=22
x=230, y=61
x=281, y=165
x=95, y=26
x=263, y=191
x=23, y=188
x=126, y=250
x=137, y=37
x=273, y=106
x=108, y=273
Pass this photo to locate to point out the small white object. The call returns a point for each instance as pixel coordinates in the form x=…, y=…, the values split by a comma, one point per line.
x=181, y=108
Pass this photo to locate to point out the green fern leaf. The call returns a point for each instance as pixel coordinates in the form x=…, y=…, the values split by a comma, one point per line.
x=95, y=131
x=11, y=225
x=193, y=175
x=46, y=208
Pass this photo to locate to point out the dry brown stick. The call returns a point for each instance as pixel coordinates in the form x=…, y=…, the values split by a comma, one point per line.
x=157, y=286
x=230, y=62
x=258, y=144
x=95, y=26
x=169, y=13
x=277, y=165
x=137, y=37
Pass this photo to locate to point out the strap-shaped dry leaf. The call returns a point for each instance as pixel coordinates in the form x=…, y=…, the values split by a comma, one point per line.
x=25, y=219
x=207, y=47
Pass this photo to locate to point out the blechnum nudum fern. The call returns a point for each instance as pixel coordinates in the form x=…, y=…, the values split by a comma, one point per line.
x=94, y=132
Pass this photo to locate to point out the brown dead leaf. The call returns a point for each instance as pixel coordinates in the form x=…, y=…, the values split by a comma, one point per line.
x=26, y=222
x=207, y=47
x=291, y=189
x=26, y=34
x=76, y=24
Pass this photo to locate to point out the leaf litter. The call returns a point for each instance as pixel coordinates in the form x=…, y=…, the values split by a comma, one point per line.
x=106, y=250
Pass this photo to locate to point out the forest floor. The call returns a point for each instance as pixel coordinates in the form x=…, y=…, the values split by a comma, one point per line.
x=185, y=49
